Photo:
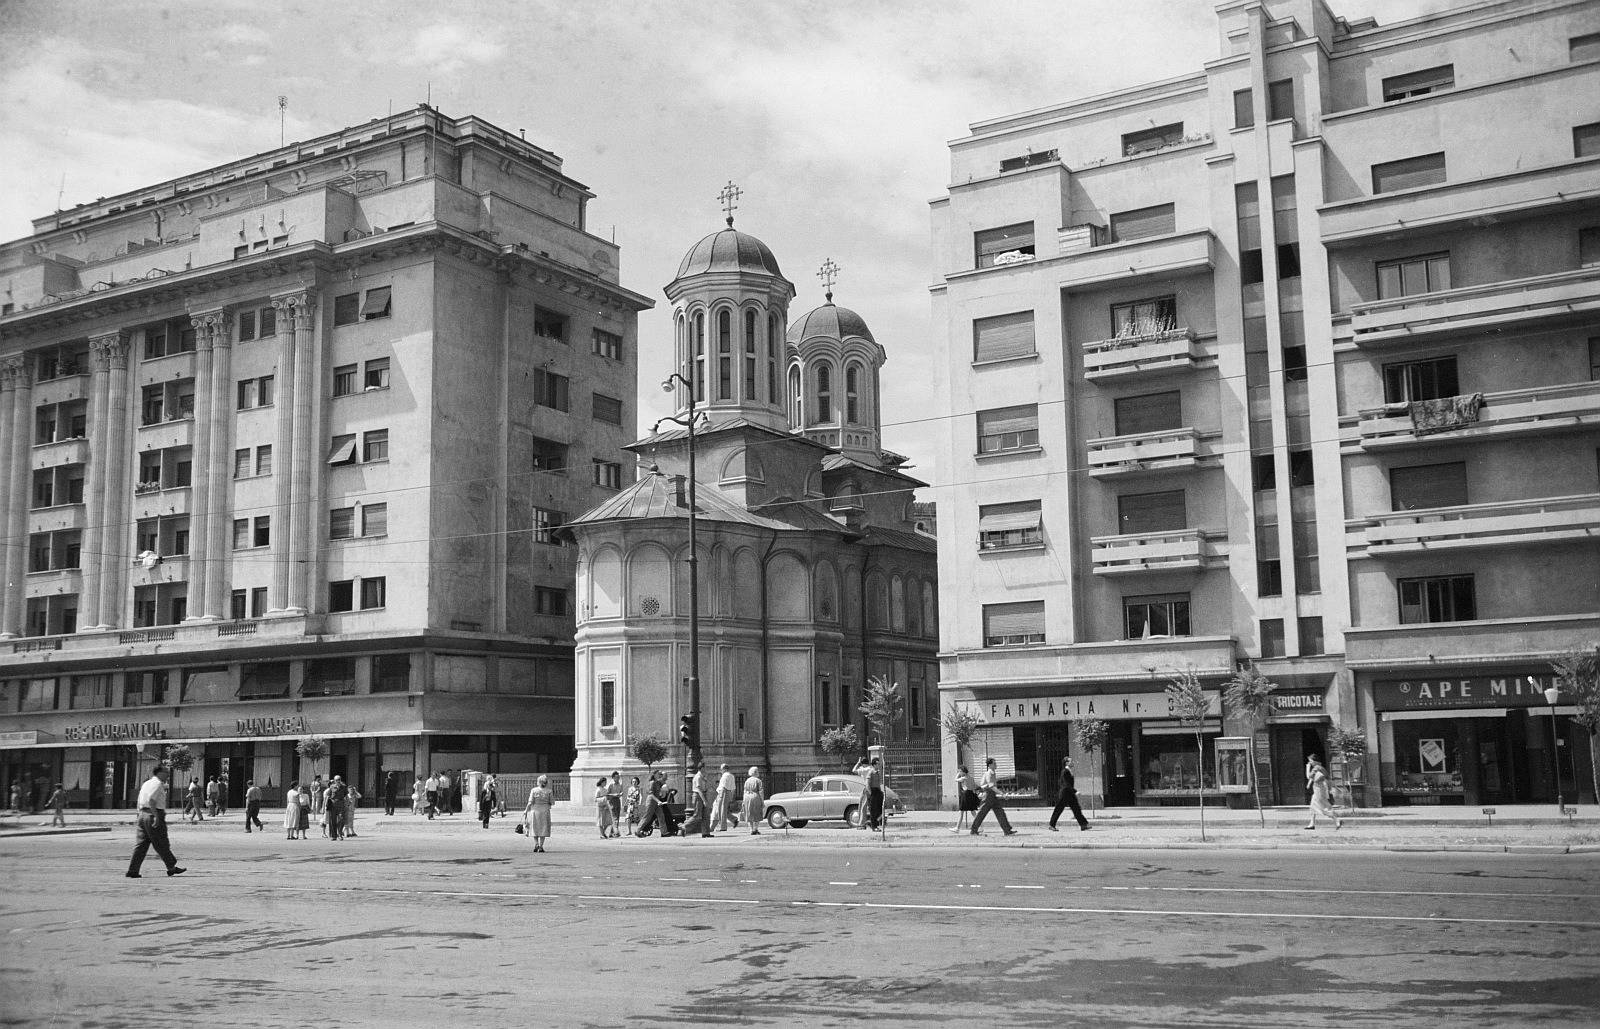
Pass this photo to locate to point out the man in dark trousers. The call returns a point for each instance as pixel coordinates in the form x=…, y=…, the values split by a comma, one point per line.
x=390, y=784
x=1067, y=797
x=337, y=794
x=153, y=824
x=252, y=806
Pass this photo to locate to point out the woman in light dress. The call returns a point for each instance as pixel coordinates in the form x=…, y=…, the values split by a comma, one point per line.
x=630, y=804
x=416, y=796
x=1317, y=780
x=537, y=814
x=755, y=806
x=291, y=812
x=602, y=810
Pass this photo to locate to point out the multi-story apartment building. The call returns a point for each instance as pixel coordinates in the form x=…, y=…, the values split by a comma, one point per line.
x=283, y=446
x=1293, y=359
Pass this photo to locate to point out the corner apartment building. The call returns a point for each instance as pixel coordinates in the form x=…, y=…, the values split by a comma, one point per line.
x=1292, y=359
x=283, y=446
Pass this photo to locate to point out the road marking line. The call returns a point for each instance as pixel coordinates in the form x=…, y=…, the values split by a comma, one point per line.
x=1022, y=887
x=749, y=881
x=844, y=884
x=670, y=879
x=708, y=880
x=674, y=900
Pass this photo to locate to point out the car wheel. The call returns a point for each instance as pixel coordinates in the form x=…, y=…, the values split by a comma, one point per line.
x=852, y=816
x=776, y=818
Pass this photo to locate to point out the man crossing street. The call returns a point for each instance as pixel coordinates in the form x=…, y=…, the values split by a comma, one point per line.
x=152, y=831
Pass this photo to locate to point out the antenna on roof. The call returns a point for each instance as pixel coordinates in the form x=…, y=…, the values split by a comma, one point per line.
x=283, y=106
x=63, y=192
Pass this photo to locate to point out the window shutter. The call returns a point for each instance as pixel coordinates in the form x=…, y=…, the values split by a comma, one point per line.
x=377, y=304
x=1008, y=517
x=1024, y=619
x=991, y=243
x=1410, y=173
x=1426, y=486
x=1154, y=412
x=1004, y=336
x=1146, y=221
x=1008, y=419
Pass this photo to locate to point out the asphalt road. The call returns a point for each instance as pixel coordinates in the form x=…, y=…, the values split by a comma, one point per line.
x=408, y=926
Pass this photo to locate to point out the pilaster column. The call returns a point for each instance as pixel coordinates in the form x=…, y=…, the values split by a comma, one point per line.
x=201, y=560
x=283, y=455
x=219, y=548
x=94, y=492
x=17, y=380
x=112, y=550
x=301, y=468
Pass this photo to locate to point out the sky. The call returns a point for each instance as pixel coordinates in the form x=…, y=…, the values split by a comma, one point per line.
x=833, y=118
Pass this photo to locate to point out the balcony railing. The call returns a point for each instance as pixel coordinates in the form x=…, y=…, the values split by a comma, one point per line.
x=1167, y=450
x=1507, y=523
x=1048, y=664
x=147, y=635
x=1171, y=254
x=1562, y=295
x=1175, y=550
x=1542, y=409
x=1485, y=642
x=1147, y=353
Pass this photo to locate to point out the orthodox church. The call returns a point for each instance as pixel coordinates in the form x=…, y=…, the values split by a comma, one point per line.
x=812, y=575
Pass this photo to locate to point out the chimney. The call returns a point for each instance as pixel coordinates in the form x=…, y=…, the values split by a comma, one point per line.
x=680, y=490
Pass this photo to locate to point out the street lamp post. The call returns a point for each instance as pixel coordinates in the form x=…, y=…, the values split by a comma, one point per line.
x=1552, y=695
x=688, y=422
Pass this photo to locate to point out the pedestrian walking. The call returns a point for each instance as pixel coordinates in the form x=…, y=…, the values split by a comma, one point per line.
x=319, y=803
x=700, y=802
x=418, y=796
x=447, y=800
x=195, y=799
x=252, y=805
x=291, y=812
x=351, y=798
x=58, y=803
x=152, y=831
x=333, y=808
x=725, y=809
x=302, y=823
x=614, y=791
x=222, y=794
x=16, y=797
x=1317, y=782
x=536, y=816
x=604, y=819
x=630, y=803
x=874, y=810
x=1067, y=796
x=430, y=790
x=213, y=796
x=966, y=798
x=990, y=793
x=391, y=784
x=755, y=805
x=486, y=801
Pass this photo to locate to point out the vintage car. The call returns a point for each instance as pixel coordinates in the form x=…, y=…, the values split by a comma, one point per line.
x=831, y=797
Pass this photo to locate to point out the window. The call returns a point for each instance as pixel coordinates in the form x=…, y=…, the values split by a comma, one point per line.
x=1294, y=363
x=1003, y=337
x=241, y=533
x=1411, y=276
x=44, y=488
x=374, y=519
x=343, y=449
x=852, y=394
x=376, y=374
x=1151, y=512
x=607, y=474
x=1589, y=246
x=375, y=445
x=1147, y=141
x=347, y=309
x=258, y=601
x=1410, y=381
x=1302, y=473
x=1594, y=358
x=1153, y=412
x=1244, y=109
x=255, y=392
x=1586, y=140
x=1008, y=428
x=1443, y=598
x=1001, y=526
x=151, y=405
x=373, y=592
x=1252, y=269
x=1418, y=83
x=1426, y=486
x=1584, y=48
x=1311, y=635
x=238, y=604
x=1411, y=173
x=824, y=411
x=609, y=344
x=549, y=601
x=608, y=703
x=341, y=523
x=1288, y=260
x=750, y=393
x=344, y=380
x=264, y=459
x=1029, y=160
x=341, y=595
x=145, y=688
x=1147, y=317
x=1145, y=618
x=1280, y=100
x=241, y=463
x=1160, y=220
x=545, y=522
x=164, y=340
x=1006, y=245
x=391, y=673
x=257, y=323
x=550, y=389
x=1263, y=472
x=548, y=455
x=724, y=355
x=1269, y=578
x=261, y=535
x=549, y=324
x=1013, y=625
x=1272, y=637
x=607, y=409
x=376, y=304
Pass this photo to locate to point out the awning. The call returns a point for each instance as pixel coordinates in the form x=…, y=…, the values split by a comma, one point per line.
x=1008, y=517
x=344, y=451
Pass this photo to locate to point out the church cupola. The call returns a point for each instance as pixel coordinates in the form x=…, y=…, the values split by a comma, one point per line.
x=730, y=303
x=832, y=377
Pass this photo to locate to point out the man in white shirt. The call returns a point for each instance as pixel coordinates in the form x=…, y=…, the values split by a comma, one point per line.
x=153, y=824
x=722, y=813
x=431, y=789
x=991, y=801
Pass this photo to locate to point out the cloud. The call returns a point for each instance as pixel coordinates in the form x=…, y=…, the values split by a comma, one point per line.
x=244, y=35
x=450, y=48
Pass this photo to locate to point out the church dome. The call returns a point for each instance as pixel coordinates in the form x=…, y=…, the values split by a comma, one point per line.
x=832, y=321
x=729, y=250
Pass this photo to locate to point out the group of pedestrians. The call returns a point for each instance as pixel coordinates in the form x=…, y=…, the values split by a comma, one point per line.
x=438, y=794
x=333, y=806
x=983, y=797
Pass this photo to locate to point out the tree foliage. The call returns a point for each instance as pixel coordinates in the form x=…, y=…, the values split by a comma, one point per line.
x=882, y=706
x=646, y=748
x=1578, y=676
x=1091, y=734
x=312, y=749
x=841, y=744
x=1249, y=692
x=178, y=757
x=959, y=726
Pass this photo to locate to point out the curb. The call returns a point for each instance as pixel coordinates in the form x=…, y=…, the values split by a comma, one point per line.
x=11, y=834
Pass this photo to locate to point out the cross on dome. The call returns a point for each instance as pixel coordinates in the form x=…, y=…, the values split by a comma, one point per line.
x=729, y=197
x=829, y=274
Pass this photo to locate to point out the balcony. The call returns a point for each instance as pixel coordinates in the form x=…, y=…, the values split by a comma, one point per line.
x=74, y=450
x=1176, y=550
x=1516, y=412
x=1168, y=450
x=1504, y=524
x=198, y=639
x=1140, y=661
x=1567, y=296
x=1152, y=353
x=1176, y=254
x=1488, y=642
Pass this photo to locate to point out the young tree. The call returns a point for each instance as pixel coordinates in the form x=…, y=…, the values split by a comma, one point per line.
x=882, y=706
x=312, y=749
x=841, y=744
x=1250, y=694
x=1189, y=704
x=178, y=757
x=959, y=727
x=646, y=749
x=1578, y=675
x=1351, y=746
x=1091, y=733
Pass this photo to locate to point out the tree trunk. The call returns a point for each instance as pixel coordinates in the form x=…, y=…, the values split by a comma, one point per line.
x=1200, y=780
x=1594, y=764
x=1255, y=780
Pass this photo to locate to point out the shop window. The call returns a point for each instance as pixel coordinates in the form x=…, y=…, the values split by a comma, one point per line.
x=1443, y=598
x=1151, y=512
x=1411, y=173
x=1409, y=381
x=1006, y=245
x=1418, y=83
x=1003, y=526
x=1013, y=625
x=1171, y=764
x=1003, y=337
x=1428, y=486
x=1152, y=412
x=1427, y=757
x=1155, y=616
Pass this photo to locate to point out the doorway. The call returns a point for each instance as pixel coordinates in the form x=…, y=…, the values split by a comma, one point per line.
x=1118, y=769
x=1292, y=745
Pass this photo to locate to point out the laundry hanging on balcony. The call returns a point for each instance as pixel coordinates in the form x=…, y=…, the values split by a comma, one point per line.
x=1445, y=413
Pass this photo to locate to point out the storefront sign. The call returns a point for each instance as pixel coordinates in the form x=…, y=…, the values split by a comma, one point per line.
x=1289, y=702
x=1470, y=691
x=18, y=739
x=293, y=725
x=1109, y=706
x=115, y=731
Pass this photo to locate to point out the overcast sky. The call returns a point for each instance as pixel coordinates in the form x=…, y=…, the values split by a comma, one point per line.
x=832, y=117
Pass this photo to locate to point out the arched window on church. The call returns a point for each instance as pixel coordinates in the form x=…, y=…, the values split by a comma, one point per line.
x=699, y=356
x=681, y=349
x=852, y=394
x=824, y=394
x=749, y=357
x=774, y=340
x=797, y=406
x=724, y=354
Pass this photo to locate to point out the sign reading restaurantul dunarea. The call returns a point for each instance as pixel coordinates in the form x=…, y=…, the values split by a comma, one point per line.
x=1109, y=706
x=1467, y=691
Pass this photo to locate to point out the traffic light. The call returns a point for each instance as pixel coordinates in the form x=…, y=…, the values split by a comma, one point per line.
x=686, y=734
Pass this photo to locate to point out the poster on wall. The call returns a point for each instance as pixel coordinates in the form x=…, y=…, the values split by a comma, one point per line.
x=1432, y=752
